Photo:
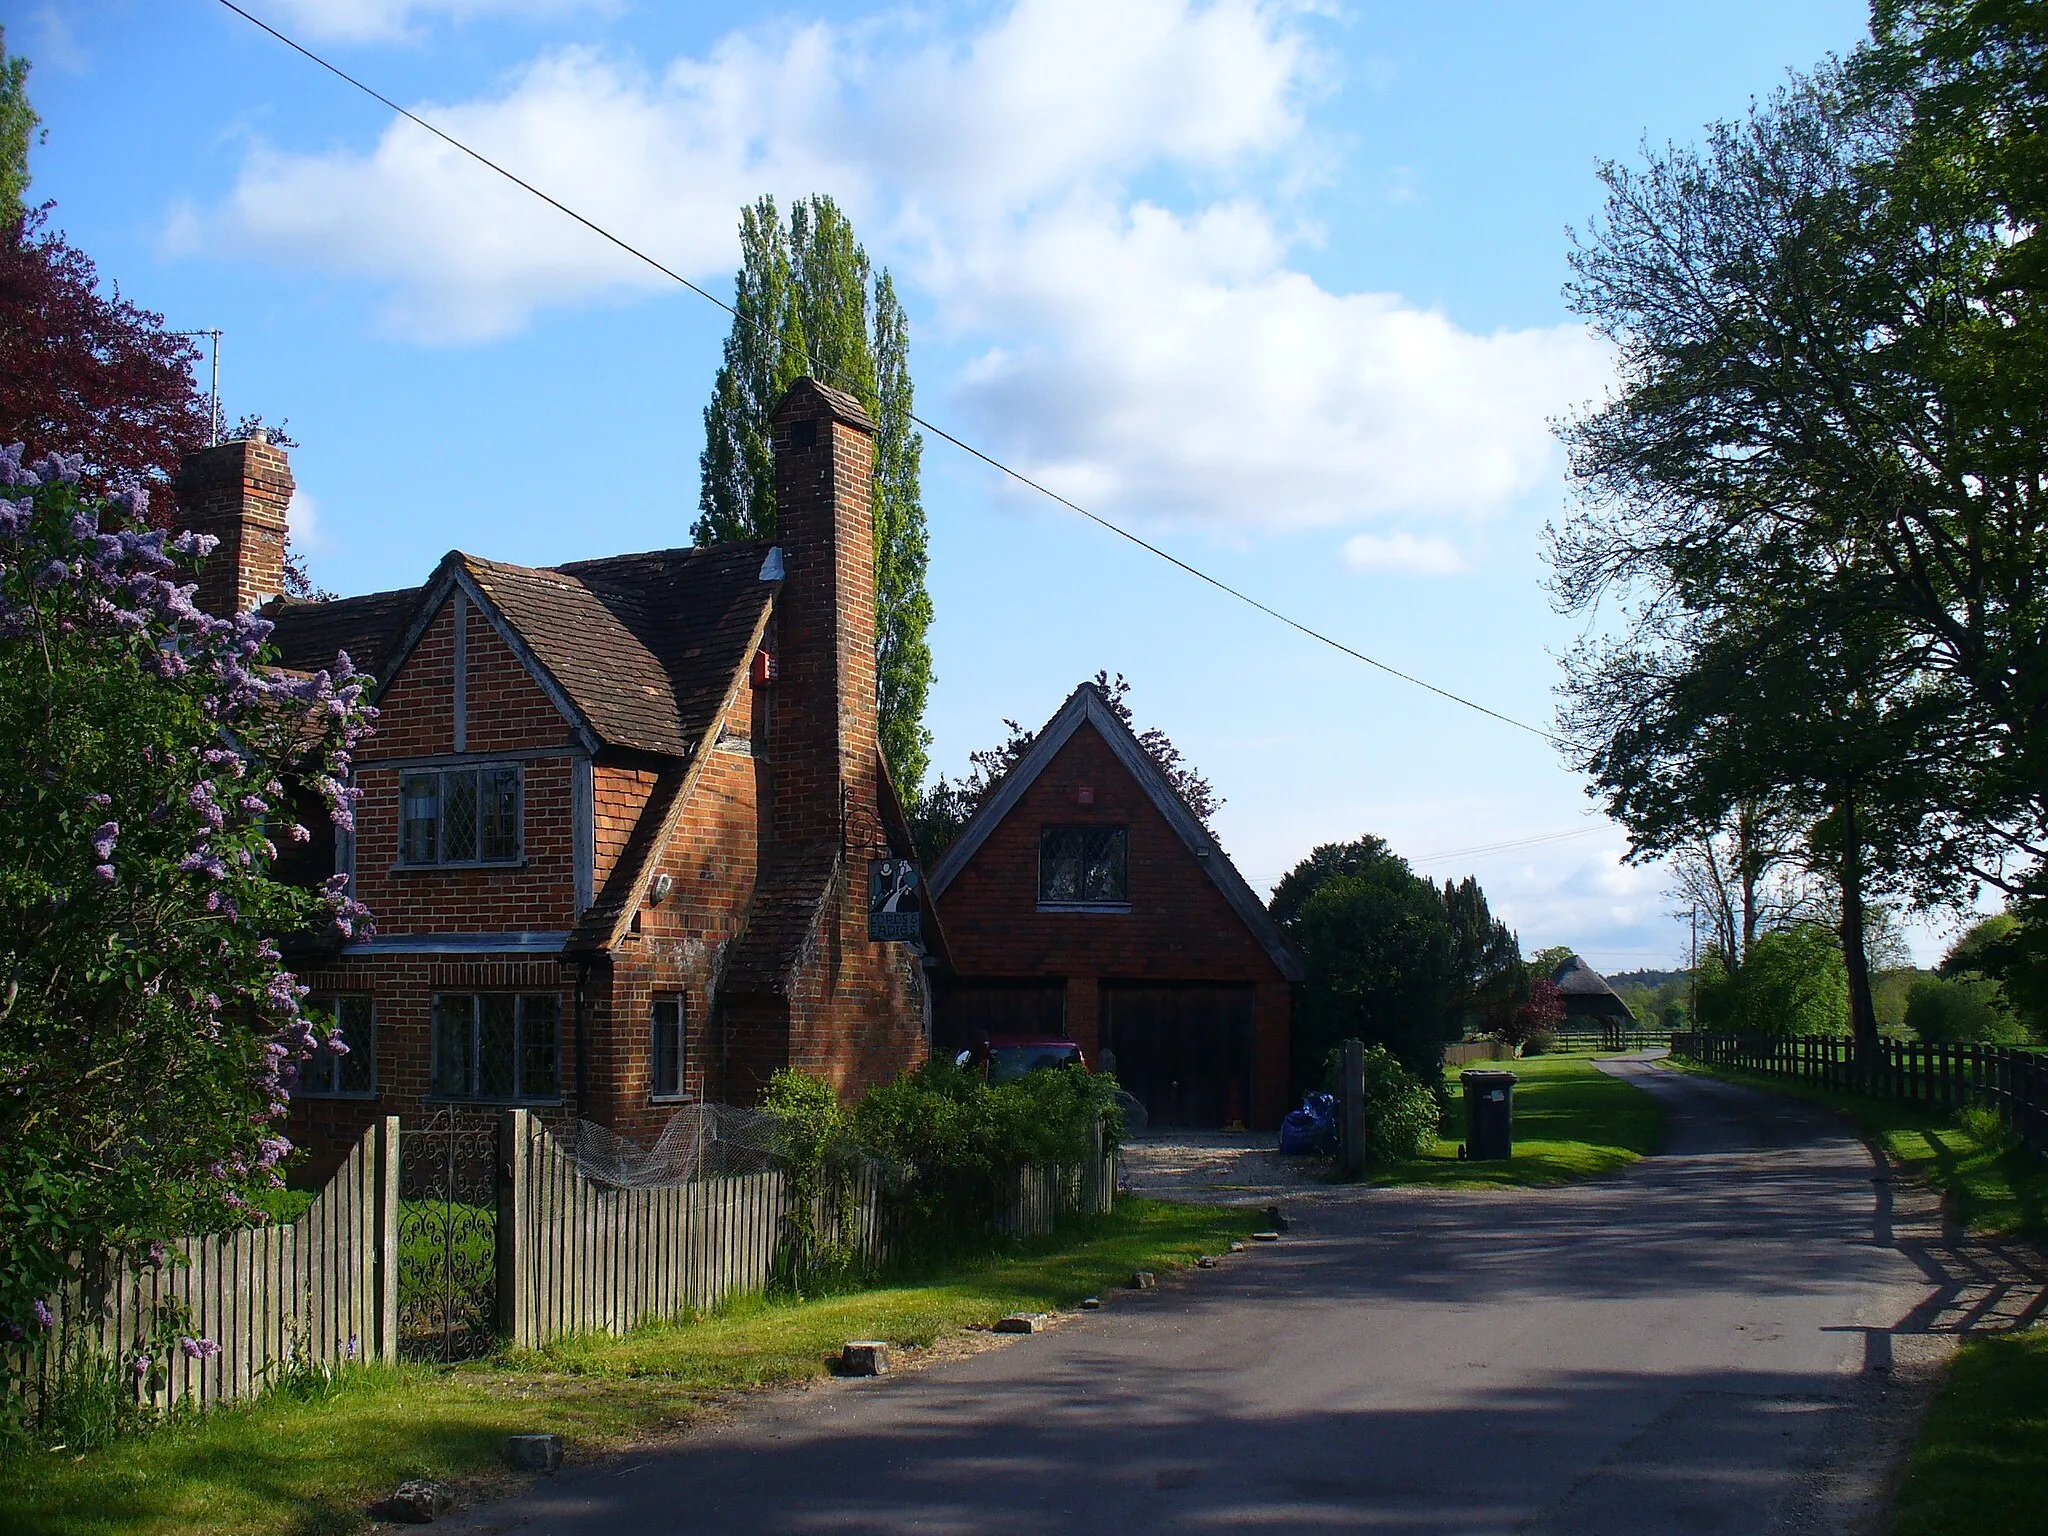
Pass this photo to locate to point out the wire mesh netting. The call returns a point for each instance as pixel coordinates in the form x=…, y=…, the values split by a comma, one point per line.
x=700, y=1141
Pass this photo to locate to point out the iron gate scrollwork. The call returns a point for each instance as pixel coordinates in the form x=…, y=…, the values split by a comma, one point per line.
x=448, y=1237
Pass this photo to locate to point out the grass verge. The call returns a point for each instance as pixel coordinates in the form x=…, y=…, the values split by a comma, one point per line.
x=1572, y=1121
x=1982, y=1460
x=1988, y=1185
x=308, y=1466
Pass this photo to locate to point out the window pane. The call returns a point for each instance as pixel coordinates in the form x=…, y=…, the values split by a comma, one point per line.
x=499, y=807
x=1106, y=871
x=668, y=1046
x=316, y=1072
x=356, y=1072
x=455, y=1046
x=1059, y=864
x=494, y=1048
x=458, y=816
x=419, y=799
x=538, y=1077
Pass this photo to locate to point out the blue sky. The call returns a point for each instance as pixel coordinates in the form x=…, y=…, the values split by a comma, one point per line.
x=1275, y=285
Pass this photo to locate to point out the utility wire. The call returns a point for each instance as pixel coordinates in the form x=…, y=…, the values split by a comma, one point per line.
x=1513, y=843
x=965, y=447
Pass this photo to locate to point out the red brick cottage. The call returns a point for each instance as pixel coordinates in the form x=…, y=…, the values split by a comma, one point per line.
x=616, y=815
x=1086, y=900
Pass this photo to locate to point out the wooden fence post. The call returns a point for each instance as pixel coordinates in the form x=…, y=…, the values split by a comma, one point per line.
x=1351, y=1107
x=515, y=1321
x=386, y=1283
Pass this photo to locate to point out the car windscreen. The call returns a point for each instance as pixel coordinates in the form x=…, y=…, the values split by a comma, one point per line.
x=1007, y=1063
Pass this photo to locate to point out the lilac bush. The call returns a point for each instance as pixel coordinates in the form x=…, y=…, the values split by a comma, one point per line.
x=150, y=758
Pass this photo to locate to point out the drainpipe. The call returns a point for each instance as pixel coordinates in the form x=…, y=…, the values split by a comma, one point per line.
x=582, y=1039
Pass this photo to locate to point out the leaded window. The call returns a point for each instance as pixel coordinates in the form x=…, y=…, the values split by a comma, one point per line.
x=497, y=1046
x=460, y=815
x=329, y=1073
x=668, y=1045
x=1084, y=867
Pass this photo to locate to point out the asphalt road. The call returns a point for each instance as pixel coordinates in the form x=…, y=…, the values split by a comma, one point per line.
x=1699, y=1346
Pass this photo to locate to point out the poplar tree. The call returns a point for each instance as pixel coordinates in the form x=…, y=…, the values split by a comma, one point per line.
x=807, y=302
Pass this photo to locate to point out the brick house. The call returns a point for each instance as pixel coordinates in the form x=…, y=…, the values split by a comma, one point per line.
x=616, y=814
x=1086, y=900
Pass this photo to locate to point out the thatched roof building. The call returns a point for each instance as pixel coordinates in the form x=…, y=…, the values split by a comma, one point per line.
x=1587, y=995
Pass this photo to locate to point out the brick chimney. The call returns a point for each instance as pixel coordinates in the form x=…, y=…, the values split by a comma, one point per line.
x=237, y=492
x=822, y=709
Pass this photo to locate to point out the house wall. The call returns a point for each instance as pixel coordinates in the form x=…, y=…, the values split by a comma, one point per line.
x=507, y=713
x=1180, y=929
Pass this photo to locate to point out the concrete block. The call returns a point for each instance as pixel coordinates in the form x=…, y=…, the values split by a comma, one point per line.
x=1206, y=1261
x=1265, y=1237
x=1021, y=1322
x=534, y=1453
x=1144, y=1280
x=1090, y=1303
x=1236, y=1246
x=864, y=1357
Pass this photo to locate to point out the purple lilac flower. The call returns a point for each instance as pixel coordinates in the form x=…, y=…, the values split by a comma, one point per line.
x=199, y=1349
x=42, y=1313
x=104, y=838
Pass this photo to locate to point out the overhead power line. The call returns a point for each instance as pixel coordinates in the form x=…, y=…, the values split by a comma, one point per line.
x=965, y=447
x=1511, y=844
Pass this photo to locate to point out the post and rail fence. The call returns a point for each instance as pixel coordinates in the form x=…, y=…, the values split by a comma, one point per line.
x=443, y=1240
x=2010, y=1083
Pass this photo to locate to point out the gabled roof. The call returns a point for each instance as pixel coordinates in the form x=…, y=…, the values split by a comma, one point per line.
x=1586, y=991
x=638, y=651
x=1086, y=706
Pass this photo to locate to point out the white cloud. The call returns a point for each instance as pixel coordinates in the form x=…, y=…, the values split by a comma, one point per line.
x=1402, y=552
x=357, y=21
x=1154, y=357
x=302, y=517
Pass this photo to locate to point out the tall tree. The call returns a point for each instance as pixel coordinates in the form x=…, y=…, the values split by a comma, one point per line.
x=18, y=123
x=807, y=302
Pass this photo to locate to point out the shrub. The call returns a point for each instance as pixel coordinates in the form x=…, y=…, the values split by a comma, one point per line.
x=952, y=1145
x=1401, y=1111
x=149, y=1033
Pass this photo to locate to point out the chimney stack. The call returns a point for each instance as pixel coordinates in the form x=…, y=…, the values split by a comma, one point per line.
x=823, y=736
x=238, y=492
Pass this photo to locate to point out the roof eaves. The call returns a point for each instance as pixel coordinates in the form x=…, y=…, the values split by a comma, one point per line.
x=1087, y=704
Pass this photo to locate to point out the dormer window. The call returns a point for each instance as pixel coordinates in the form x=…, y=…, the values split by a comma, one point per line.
x=1084, y=869
x=460, y=815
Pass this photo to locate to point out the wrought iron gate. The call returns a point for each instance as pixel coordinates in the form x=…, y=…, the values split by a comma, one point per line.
x=448, y=1237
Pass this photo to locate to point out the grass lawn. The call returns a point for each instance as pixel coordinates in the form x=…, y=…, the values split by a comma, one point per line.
x=1988, y=1185
x=308, y=1466
x=1572, y=1121
x=1982, y=1462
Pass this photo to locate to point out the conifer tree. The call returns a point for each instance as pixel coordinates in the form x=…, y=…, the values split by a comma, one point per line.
x=807, y=302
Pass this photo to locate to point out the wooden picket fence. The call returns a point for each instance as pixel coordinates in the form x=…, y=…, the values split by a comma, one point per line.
x=271, y=1297
x=578, y=1256
x=572, y=1256
x=2011, y=1083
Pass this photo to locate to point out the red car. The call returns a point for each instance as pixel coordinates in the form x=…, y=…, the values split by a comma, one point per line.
x=1005, y=1058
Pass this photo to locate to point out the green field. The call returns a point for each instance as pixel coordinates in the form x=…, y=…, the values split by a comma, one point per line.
x=1988, y=1185
x=1572, y=1121
x=308, y=1466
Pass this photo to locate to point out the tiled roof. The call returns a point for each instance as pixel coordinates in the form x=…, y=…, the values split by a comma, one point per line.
x=605, y=920
x=309, y=634
x=792, y=893
x=644, y=647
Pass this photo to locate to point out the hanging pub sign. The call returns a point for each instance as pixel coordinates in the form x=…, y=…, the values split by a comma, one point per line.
x=894, y=912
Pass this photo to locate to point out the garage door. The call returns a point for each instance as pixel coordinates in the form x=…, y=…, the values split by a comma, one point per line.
x=1185, y=1052
x=964, y=1013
